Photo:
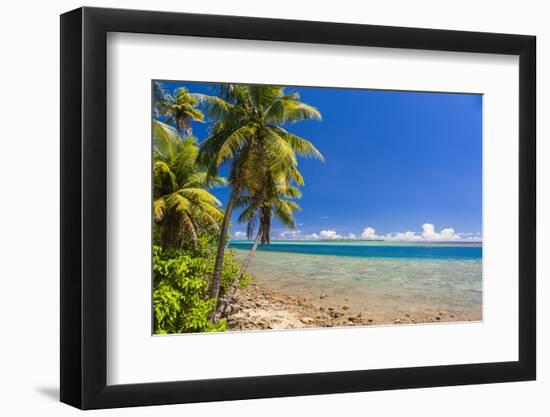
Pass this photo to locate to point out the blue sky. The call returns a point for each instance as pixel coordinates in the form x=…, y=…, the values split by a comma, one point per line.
x=395, y=162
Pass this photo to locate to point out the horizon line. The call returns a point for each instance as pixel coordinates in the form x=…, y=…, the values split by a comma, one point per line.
x=364, y=240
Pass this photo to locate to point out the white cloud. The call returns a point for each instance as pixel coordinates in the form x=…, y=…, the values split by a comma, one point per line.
x=330, y=234
x=324, y=217
x=369, y=233
x=430, y=234
x=240, y=234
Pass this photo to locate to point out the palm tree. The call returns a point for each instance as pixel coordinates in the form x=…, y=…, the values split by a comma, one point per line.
x=181, y=203
x=273, y=201
x=179, y=108
x=248, y=134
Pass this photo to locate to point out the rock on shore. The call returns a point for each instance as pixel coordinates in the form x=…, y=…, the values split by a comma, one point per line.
x=256, y=308
x=259, y=308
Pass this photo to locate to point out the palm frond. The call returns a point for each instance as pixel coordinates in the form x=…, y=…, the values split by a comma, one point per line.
x=233, y=143
x=279, y=154
x=198, y=195
x=301, y=146
x=289, y=191
x=248, y=214
x=296, y=111
x=164, y=138
x=203, y=180
x=179, y=203
x=262, y=96
x=159, y=205
x=215, y=108
x=284, y=210
x=190, y=227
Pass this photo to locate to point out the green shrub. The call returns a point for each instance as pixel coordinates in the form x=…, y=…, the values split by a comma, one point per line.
x=181, y=286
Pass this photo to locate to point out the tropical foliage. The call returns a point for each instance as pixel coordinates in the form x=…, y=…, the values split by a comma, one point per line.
x=195, y=277
x=180, y=108
x=180, y=288
x=248, y=134
x=274, y=200
x=181, y=203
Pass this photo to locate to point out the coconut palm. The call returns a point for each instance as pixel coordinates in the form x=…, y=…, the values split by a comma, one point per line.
x=248, y=134
x=179, y=108
x=273, y=201
x=181, y=203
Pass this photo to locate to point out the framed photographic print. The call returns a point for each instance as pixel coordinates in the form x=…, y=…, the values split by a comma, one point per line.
x=256, y=208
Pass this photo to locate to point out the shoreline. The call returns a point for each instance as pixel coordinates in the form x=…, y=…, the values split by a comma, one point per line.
x=259, y=307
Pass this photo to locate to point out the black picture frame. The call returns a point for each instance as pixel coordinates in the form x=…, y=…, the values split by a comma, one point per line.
x=84, y=207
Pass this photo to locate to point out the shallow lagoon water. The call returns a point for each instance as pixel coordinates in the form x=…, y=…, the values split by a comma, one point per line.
x=378, y=276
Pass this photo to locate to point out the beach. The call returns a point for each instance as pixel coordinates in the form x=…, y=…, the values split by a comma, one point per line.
x=261, y=308
x=304, y=289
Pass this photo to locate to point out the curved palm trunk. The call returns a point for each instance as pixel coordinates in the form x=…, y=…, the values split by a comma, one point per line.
x=224, y=302
x=216, y=277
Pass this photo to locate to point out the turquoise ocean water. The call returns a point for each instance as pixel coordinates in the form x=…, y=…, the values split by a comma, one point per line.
x=395, y=277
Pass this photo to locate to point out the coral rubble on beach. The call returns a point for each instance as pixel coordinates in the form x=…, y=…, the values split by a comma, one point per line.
x=260, y=308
